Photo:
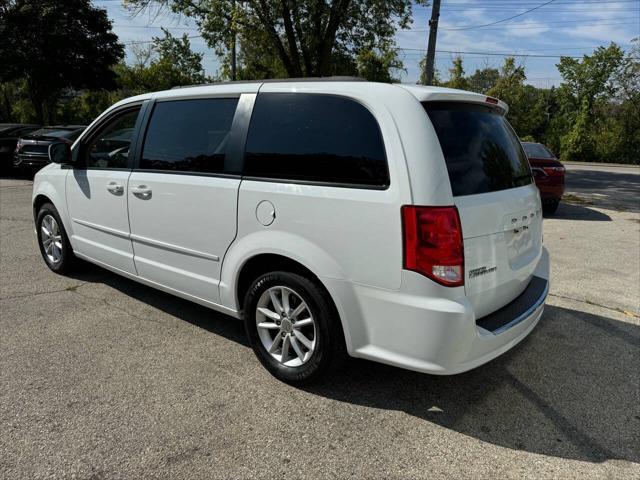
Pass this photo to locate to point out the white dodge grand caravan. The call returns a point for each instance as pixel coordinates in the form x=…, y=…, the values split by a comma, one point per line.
x=391, y=222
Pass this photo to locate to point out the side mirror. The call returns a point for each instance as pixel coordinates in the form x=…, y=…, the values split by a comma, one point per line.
x=60, y=152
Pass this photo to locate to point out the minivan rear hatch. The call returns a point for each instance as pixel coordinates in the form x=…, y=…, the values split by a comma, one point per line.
x=496, y=197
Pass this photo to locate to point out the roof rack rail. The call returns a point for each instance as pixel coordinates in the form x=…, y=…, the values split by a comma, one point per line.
x=277, y=80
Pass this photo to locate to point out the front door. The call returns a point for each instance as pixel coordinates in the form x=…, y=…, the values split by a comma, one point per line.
x=97, y=193
x=182, y=208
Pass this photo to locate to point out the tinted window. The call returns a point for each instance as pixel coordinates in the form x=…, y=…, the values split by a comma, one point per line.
x=57, y=132
x=315, y=137
x=189, y=135
x=482, y=152
x=537, y=150
x=109, y=148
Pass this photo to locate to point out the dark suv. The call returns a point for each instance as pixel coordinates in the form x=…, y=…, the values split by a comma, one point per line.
x=32, y=150
x=9, y=134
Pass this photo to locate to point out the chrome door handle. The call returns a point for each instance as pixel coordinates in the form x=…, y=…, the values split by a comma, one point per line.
x=115, y=188
x=142, y=191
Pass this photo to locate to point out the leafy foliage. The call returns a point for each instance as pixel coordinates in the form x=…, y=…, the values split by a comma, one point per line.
x=305, y=38
x=593, y=116
x=52, y=46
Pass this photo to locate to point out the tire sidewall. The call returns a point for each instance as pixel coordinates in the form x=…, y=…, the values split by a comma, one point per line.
x=67, y=253
x=317, y=304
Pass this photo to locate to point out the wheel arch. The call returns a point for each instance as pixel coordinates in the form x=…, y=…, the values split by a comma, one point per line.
x=265, y=250
x=50, y=188
x=262, y=263
x=38, y=201
x=268, y=262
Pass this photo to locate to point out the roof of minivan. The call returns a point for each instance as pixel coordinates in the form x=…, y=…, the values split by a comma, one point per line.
x=335, y=84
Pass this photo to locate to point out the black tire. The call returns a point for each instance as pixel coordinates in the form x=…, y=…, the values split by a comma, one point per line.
x=550, y=207
x=68, y=259
x=330, y=349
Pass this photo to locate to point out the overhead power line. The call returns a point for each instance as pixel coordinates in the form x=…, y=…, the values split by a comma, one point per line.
x=499, y=54
x=538, y=27
x=140, y=42
x=467, y=27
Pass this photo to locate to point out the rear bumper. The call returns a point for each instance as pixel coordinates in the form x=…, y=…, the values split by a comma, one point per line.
x=551, y=189
x=431, y=334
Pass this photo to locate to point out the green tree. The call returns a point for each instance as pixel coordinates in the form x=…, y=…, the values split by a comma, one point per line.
x=379, y=65
x=53, y=46
x=588, y=85
x=422, y=80
x=177, y=64
x=168, y=62
x=456, y=76
x=526, y=103
x=483, y=79
x=307, y=37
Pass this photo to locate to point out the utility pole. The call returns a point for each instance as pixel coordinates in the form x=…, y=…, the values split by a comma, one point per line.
x=233, y=57
x=431, y=49
x=233, y=42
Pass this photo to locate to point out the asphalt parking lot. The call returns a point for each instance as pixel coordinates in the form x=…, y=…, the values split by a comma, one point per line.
x=101, y=377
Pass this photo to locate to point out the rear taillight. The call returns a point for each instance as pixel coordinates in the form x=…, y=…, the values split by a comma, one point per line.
x=433, y=243
x=551, y=171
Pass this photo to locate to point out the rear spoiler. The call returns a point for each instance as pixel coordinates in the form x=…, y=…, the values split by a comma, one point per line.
x=467, y=97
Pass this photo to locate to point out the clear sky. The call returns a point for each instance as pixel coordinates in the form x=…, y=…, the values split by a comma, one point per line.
x=563, y=27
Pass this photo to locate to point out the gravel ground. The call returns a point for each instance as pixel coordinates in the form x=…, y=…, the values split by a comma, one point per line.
x=101, y=377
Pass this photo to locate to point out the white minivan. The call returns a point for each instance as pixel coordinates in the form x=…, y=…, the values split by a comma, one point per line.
x=395, y=223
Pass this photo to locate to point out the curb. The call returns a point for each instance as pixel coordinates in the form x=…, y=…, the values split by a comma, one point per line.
x=601, y=164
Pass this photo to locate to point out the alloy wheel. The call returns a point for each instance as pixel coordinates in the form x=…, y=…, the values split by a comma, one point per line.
x=286, y=326
x=51, y=238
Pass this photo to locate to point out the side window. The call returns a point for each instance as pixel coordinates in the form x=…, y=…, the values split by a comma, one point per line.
x=109, y=148
x=189, y=135
x=315, y=137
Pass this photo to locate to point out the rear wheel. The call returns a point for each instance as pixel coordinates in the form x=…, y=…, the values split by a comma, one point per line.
x=550, y=207
x=53, y=241
x=293, y=327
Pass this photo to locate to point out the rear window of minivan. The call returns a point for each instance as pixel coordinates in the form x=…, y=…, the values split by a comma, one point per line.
x=481, y=150
x=315, y=138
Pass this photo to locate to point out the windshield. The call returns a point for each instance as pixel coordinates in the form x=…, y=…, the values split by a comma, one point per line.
x=56, y=132
x=537, y=150
x=481, y=150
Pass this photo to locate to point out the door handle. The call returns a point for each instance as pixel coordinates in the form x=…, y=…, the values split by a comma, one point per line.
x=142, y=191
x=115, y=188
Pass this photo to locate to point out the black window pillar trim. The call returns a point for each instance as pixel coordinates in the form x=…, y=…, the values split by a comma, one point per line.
x=140, y=132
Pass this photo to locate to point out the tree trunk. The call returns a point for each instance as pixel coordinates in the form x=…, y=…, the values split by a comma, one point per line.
x=294, y=53
x=36, y=100
x=338, y=8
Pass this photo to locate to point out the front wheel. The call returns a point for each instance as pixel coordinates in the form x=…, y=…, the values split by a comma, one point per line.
x=293, y=327
x=53, y=241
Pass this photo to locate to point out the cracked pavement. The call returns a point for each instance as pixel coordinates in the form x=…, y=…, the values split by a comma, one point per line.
x=101, y=377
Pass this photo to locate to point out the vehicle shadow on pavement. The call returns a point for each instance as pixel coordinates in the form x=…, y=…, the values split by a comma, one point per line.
x=569, y=390
x=185, y=310
x=572, y=211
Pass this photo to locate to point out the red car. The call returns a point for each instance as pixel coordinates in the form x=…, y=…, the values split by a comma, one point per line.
x=548, y=173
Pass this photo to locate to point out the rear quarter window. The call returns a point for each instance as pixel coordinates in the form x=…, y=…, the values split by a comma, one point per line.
x=315, y=138
x=482, y=152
